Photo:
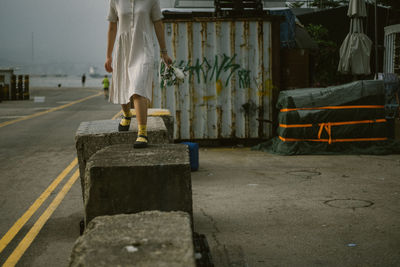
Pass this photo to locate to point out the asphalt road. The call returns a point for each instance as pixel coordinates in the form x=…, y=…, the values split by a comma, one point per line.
x=256, y=209
x=33, y=153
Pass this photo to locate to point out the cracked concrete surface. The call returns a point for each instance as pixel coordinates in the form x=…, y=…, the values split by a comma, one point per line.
x=258, y=209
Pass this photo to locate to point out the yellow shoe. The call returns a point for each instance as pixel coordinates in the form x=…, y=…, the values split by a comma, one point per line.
x=124, y=124
x=141, y=142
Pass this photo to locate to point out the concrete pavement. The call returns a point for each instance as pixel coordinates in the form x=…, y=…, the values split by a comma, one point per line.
x=256, y=209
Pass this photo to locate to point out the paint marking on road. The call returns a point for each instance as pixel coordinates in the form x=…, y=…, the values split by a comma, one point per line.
x=49, y=110
x=6, y=239
x=10, y=117
x=116, y=115
x=34, y=231
x=41, y=108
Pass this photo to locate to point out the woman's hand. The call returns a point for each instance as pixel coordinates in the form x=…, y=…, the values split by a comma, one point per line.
x=108, y=65
x=167, y=60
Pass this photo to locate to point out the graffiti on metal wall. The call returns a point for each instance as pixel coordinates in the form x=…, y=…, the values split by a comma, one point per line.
x=209, y=71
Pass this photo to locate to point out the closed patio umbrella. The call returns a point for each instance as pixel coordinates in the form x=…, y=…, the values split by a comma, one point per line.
x=356, y=47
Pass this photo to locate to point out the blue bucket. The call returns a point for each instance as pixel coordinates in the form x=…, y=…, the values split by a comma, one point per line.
x=193, y=155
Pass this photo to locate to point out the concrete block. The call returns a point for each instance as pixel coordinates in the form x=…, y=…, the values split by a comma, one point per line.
x=92, y=136
x=120, y=180
x=145, y=239
x=165, y=115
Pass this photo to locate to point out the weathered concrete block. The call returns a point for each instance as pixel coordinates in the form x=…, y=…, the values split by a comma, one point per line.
x=92, y=136
x=165, y=115
x=145, y=239
x=120, y=179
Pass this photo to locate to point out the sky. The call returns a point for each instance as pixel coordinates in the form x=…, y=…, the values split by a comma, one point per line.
x=69, y=35
x=64, y=30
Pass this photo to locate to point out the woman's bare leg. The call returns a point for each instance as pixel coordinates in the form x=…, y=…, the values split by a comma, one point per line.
x=141, y=116
x=126, y=109
x=140, y=103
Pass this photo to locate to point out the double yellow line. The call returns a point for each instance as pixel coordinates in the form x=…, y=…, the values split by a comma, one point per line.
x=34, y=231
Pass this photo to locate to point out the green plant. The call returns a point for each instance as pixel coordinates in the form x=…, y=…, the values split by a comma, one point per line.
x=325, y=61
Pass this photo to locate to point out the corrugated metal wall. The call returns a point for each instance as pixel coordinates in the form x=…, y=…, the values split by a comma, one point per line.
x=392, y=33
x=228, y=90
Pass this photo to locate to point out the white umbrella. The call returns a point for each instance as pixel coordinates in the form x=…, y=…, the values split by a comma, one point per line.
x=357, y=8
x=356, y=47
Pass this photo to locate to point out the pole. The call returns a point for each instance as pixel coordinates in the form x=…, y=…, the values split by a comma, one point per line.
x=32, y=49
x=376, y=39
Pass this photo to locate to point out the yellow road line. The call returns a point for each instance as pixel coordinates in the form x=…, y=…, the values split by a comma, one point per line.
x=33, y=232
x=48, y=111
x=6, y=239
x=116, y=115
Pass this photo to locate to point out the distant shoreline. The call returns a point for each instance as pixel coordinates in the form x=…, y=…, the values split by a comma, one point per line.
x=69, y=81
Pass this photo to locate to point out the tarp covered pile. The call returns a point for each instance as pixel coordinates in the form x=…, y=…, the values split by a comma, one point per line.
x=346, y=119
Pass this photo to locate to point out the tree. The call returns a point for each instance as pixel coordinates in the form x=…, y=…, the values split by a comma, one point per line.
x=326, y=59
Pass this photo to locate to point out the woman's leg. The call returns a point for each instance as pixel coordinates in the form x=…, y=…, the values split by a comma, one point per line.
x=125, y=122
x=126, y=109
x=141, y=109
x=141, y=116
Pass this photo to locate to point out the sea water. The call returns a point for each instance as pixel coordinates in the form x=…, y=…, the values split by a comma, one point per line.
x=64, y=81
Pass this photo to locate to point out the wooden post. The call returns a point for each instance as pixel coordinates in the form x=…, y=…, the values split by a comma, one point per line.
x=26, y=87
x=13, y=87
x=20, y=90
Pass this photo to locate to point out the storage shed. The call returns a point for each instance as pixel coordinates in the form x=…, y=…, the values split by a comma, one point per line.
x=233, y=74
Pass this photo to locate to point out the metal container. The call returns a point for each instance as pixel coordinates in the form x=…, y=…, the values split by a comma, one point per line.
x=13, y=86
x=6, y=75
x=26, y=87
x=232, y=81
x=392, y=49
x=20, y=88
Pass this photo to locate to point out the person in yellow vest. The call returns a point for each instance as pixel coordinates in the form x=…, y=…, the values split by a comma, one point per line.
x=106, y=85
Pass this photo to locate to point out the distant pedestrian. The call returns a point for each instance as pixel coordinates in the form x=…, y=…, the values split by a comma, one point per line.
x=83, y=80
x=132, y=70
x=106, y=85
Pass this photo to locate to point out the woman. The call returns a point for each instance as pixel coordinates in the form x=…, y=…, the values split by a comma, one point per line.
x=133, y=64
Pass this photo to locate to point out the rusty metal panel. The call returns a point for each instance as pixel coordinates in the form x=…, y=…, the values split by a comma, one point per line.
x=390, y=47
x=389, y=54
x=228, y=90
x=267, y=89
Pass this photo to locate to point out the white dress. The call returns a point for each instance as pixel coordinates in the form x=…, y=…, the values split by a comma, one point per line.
x=133, y=60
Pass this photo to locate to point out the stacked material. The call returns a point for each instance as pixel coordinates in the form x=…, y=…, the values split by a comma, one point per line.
x=353, y=112
x=335, y=119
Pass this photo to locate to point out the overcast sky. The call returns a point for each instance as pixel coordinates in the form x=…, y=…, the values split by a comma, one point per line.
x=64, y=30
